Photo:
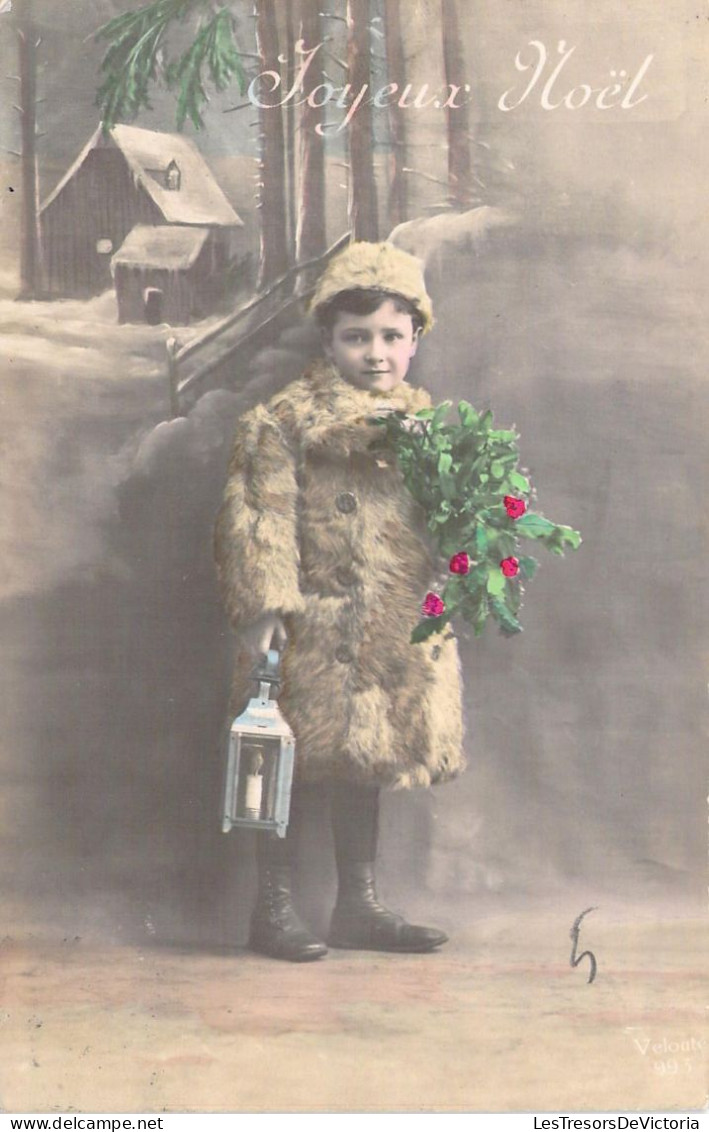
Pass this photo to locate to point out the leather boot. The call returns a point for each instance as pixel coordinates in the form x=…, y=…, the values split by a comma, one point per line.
x=276, y=929
x=360, y=922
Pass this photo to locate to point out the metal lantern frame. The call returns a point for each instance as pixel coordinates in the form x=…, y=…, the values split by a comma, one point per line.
x=262, y=721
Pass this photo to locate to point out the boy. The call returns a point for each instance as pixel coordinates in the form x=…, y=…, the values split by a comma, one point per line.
x=322, y=552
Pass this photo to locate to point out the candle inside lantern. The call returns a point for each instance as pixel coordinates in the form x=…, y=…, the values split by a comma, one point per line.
x=253, y=796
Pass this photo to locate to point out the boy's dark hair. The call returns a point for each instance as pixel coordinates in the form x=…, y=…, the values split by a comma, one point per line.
x=364, y=300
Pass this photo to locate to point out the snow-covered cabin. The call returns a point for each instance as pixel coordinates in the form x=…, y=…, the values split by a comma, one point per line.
x=125, y=177
x=165, y=274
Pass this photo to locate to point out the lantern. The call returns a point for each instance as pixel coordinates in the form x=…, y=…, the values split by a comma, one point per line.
x=260, y=764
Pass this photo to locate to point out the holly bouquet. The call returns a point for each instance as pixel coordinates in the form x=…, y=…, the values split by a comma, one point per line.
x=467, y=479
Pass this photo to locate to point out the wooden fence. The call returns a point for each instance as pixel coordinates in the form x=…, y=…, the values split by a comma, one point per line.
x=207, y=361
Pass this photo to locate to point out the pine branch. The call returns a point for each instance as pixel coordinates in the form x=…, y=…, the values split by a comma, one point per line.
x=133, y=59
x=136, y=60
x=214, y=50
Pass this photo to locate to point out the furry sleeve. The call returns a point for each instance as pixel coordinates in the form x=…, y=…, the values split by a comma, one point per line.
x=256, y=537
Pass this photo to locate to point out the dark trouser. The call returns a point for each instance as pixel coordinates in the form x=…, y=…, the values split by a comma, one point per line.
x=355, y=824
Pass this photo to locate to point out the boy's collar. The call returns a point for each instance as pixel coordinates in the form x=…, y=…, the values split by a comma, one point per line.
x=335, y=412
x=325, y=377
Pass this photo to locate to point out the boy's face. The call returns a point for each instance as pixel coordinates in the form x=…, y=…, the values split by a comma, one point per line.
x=373, y=351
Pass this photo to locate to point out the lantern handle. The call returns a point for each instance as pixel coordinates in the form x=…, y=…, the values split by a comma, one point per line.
x=268, y=669
x=273, y=665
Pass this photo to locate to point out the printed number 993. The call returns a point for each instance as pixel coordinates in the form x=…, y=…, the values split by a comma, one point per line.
x=672, y=1067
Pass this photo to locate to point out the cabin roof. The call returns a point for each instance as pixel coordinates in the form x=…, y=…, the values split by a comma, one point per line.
x=199, y=200
x=161, y=246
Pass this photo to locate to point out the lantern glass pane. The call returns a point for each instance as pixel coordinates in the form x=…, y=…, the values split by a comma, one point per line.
x=258, y=775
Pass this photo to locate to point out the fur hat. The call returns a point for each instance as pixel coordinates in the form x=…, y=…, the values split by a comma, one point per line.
x=369, y=265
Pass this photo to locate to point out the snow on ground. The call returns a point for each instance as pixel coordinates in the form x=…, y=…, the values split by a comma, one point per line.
x=90, y=338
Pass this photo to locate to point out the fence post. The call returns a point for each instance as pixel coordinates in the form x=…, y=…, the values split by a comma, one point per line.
x=172, y=346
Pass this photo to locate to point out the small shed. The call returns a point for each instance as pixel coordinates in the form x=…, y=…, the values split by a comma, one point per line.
x=165, y=274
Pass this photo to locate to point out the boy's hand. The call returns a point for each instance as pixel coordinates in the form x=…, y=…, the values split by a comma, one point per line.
x=413, y=424
x=268, y=631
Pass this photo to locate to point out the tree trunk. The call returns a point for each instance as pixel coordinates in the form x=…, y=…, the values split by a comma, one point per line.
x=363, y=191
x=30, y=255
x=396, y=73
x=459, y=167
x=272, y=194
x=426, y=154
x=290, y=129
x=311, y=237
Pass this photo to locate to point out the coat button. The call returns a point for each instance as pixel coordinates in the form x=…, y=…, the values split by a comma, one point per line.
x=344, y=654
x=345, y=576
x=346, y=502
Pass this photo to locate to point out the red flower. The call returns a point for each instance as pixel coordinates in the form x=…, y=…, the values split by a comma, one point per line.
x=515, y=507
x=460, y=563
x=510, y=566
x=433, y=605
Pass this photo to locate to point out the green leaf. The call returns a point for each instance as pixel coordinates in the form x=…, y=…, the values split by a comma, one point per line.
x=445, y=460
x=478, y=576
x=532, y=525
x=528, y=566
x=561, y=539
x=453, y=596
x=507, y=621
x=447, y=481
x=427, y=628
x=506, y=545
x=513, y=596
x=519, y=482
x=570, y=537
x=555, y=538
x=507, y=459
x=440, y=413
x=497, y=469
x=468, y=417
x=496, y=582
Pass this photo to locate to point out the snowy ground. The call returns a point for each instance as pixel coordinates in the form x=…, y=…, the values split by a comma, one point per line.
x=84, y=338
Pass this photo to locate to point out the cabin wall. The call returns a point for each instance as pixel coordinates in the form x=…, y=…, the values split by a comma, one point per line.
x=102, y=201
x=188, y=293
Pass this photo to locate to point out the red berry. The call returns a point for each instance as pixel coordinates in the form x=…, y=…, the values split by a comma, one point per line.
x=510, y=566
x=460, y=563
x=433, y=605
x=515, y=507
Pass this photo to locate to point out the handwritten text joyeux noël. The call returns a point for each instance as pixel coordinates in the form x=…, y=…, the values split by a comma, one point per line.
x=267, y=90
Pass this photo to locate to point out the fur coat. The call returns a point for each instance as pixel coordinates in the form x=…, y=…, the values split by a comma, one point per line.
x=317, y=528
